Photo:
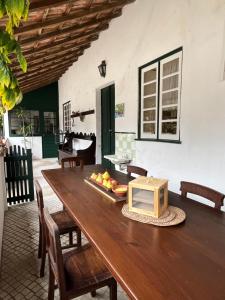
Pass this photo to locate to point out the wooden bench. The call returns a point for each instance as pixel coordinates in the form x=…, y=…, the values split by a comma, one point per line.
x=67, y=150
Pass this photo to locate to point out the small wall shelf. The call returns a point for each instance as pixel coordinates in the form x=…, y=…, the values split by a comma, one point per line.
x=83, y=113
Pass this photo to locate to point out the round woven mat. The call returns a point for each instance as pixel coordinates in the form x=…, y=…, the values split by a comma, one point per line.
x=172, y=216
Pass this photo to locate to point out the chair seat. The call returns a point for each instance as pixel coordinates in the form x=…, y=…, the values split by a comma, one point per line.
x=64, y=222
x=84, y=268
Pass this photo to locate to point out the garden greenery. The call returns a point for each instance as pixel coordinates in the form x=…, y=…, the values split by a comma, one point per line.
x=13, y=11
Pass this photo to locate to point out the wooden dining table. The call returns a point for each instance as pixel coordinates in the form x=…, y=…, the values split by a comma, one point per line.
x=185, y=261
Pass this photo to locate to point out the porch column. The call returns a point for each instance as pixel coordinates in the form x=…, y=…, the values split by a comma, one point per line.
x=3, y=202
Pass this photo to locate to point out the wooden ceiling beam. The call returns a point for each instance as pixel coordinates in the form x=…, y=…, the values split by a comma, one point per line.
x=37, y=77
x=37, y=86
x=51, y=58
x=33, y=69
x=35, y=82
x=43, y=4
x=53, y=62
x=93, y=34
x=45, y=71
x=49, y=55
x=42, y=71
x=72, y=29
x=40, y=77
x=71, y=17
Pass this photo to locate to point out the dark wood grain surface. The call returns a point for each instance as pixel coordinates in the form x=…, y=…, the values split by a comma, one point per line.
x=181, y=262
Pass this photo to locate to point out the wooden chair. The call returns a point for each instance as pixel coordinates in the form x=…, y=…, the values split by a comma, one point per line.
x=203, y=191
x=136, y=170
x=72, y=162
x=76, y=272
x=64, y=223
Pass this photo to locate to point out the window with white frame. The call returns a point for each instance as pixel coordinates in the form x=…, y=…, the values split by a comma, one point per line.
x=67, y=116
x=159, y=98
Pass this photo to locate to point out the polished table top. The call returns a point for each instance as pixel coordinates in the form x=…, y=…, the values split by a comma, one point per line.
x=186, y=261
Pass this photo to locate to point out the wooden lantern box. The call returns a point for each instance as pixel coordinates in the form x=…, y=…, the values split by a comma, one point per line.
x=148, y=196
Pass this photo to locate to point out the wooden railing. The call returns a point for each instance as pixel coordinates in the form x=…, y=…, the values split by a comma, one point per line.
x=19, y=175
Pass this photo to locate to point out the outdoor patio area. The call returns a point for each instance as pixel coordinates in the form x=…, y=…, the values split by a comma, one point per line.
x=20, y=265
x=112, y=118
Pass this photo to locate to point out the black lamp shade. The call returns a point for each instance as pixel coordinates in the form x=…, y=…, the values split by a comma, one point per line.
x=102, y=68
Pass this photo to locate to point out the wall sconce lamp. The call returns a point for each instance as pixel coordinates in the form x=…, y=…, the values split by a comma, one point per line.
x=102, y=68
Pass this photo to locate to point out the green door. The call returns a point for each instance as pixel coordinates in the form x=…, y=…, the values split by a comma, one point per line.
x=49, y=147
x=108, y=123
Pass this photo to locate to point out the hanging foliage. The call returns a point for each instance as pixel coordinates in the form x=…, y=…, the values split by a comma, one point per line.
x=13, y=11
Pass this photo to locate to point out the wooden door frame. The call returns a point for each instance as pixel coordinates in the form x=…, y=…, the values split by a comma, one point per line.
x=99, y=121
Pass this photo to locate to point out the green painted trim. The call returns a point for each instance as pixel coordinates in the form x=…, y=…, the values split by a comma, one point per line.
x=162, y=57
x=157, y=60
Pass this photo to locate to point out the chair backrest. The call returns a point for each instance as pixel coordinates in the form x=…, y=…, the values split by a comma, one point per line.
x=136, y=170
x=40, y=201
x=54, y=249
x=72, y=162
x=203, y=191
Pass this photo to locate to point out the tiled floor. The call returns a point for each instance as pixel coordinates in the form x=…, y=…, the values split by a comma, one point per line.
x=20, y=266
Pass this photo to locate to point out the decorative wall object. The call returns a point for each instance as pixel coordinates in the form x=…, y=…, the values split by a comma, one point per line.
x=119, y=110
x=102, y=68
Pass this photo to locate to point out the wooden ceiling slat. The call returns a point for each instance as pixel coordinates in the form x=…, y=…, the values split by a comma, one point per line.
x=43, y=4
x=52, y=62
x=71, y=17
x=33, y=69
x=51, y=58
x=37, y=86
x=40, y=80
x=58, y=33
x=53, y=72
x=43, y=70
x=49, y=55
x=67, y=41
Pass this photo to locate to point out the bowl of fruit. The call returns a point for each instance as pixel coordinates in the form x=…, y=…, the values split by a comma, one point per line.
x=120, y=190
x=104, y=180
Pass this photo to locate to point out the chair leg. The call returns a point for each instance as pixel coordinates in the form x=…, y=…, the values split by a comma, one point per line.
x=43, y=256
x=113, y=290
x=71, y=238
x=79, y=238
x=51, y=284
x=40, y=241
x=93, y=293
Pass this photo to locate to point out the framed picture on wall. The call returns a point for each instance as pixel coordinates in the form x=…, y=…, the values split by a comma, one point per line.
x=119, y=110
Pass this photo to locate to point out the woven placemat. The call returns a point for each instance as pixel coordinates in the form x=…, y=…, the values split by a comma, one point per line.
x=172, y=216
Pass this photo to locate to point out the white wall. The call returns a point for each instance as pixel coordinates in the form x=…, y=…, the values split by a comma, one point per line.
x=34, y=143
x=147, y=30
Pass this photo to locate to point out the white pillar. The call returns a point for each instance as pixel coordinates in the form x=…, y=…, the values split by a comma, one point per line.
x=3, y=201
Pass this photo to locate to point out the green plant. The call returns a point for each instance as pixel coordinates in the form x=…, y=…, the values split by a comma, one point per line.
x=26, y=129
x=13, y=11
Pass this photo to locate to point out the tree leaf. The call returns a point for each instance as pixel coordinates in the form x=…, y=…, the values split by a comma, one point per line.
x=9, y=99
x=26, y=10
x=21, y=59
x=2, y=8
x=15, y=8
